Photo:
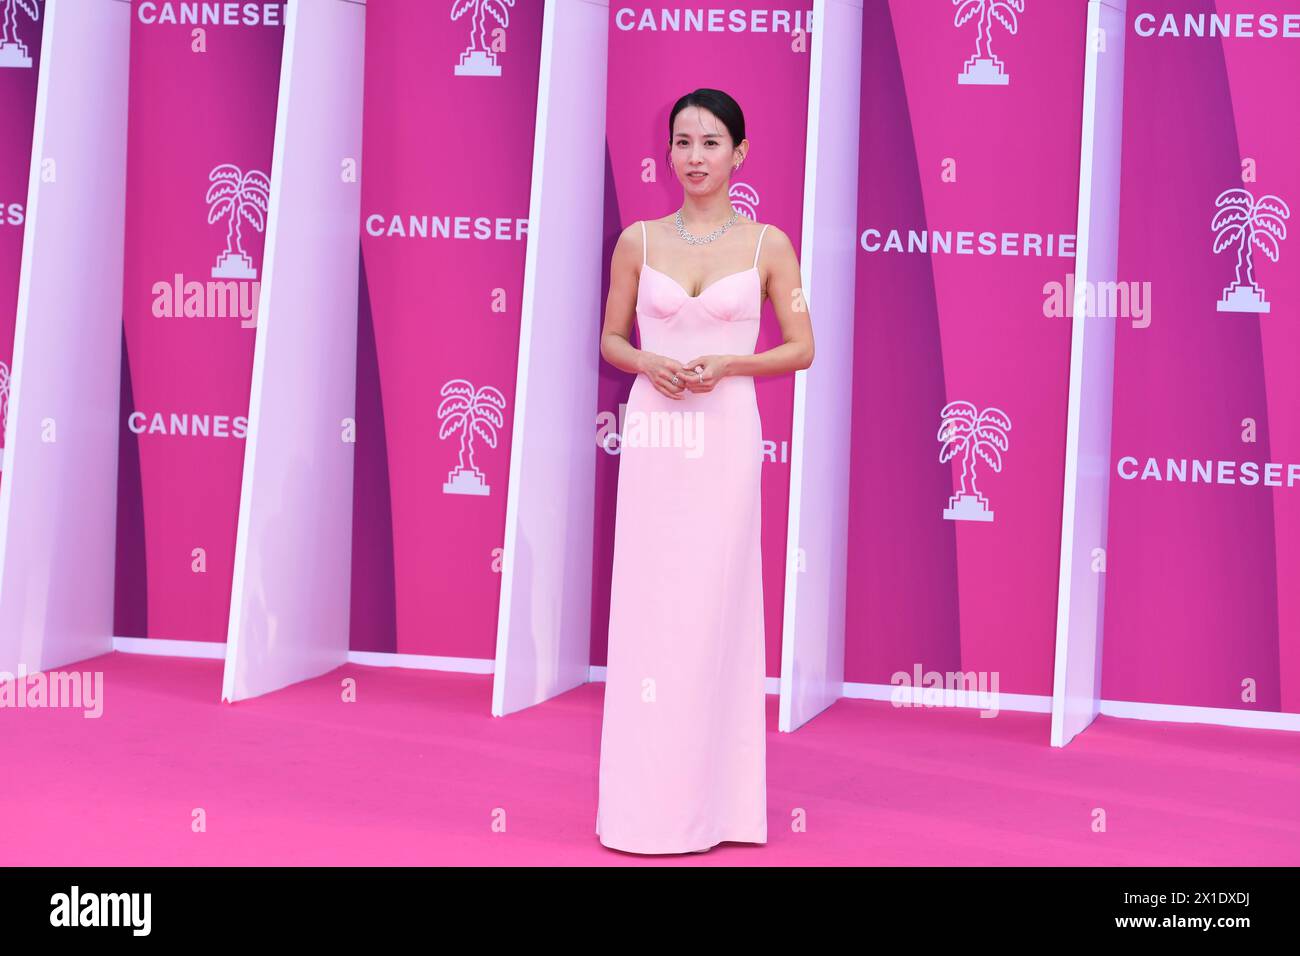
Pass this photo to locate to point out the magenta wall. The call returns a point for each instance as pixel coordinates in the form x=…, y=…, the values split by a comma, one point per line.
x=190, y=112
x=933, y=328
x=653, y=60
x=1201, y=575
x=18, y=74
x=448, y=151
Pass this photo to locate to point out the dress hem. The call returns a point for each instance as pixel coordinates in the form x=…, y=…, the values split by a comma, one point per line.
x=729, y=839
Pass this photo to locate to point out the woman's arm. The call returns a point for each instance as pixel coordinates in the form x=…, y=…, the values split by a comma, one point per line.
x=620, y=311
x=620, y=305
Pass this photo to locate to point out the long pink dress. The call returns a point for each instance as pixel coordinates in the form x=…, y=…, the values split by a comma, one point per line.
x=682, y=748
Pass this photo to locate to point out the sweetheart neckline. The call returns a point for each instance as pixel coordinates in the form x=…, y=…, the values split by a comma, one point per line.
x=730, y=275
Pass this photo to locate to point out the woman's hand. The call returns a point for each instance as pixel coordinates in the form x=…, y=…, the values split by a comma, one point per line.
x=661, y=370
x=705, y=371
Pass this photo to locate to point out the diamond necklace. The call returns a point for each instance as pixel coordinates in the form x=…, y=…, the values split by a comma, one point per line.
x=700, y=240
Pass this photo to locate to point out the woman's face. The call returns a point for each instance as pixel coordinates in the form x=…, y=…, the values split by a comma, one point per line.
x=702, y=152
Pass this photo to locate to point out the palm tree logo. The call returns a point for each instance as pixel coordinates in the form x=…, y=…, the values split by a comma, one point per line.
x=4, y=402
x=470, y=412
x=13, y=51
x=477, y=59
x=744, y=198
x=1249, y=224
x=237, y=195
x=984, y=68
x=972, y=434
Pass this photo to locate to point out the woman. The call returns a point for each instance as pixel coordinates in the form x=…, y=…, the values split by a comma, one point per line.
x=682, y=752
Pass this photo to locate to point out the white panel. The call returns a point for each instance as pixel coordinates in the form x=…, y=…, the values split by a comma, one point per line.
x=58, y=500
x=291, y=592
x=812, y=642
x=1077, y=678
x=544, y=623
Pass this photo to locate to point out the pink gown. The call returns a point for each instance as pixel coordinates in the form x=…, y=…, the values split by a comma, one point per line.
x=682, y=747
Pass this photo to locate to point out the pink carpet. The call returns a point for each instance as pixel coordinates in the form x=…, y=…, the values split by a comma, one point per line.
x=413, y=772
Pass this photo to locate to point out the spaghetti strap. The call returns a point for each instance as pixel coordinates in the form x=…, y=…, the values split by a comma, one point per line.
x=645, y=250
x=758, y=248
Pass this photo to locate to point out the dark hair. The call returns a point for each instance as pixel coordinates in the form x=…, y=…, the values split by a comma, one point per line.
x=718, y=103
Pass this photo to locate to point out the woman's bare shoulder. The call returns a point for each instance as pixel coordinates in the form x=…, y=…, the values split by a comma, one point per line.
x=629, y=242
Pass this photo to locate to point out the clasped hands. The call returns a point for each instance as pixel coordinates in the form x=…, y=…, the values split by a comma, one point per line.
x=700, y=374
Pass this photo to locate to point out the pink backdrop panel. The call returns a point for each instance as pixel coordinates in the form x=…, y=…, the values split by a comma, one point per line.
x=1201, y=600
x=967, y=208
x=20, y=60
x=759, y=53
x=202, y=119
x=448, y=142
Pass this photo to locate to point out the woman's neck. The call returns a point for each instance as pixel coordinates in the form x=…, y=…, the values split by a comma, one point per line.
x=705, y=215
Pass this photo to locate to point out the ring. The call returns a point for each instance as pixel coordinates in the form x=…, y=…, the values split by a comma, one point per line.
x=674, y=379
